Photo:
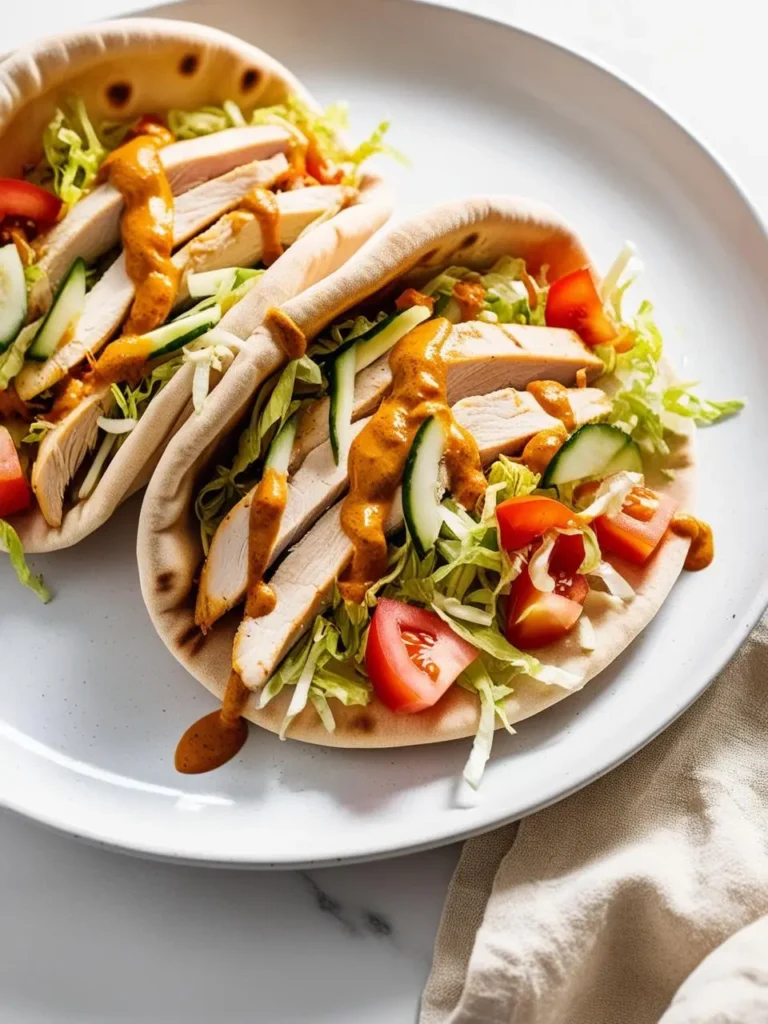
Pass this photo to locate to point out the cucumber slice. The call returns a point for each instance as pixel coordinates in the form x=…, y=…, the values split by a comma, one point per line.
x=383, y=336
x=591, y=451
x=628, y=458
x=177, y=333
x=279, y=454
x=13, y=295
x=208, y=282
x=421, y=485
x=68, y=304
x=342, y=393
x=448, y=307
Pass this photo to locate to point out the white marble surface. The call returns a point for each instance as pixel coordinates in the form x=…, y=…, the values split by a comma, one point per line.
x=126, y=940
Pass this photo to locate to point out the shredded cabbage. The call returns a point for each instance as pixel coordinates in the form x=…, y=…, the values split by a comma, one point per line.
x=507, y=300
x=611, y=495
x=12, y=360
x=614, y=581
x=10, y=543
x=73, y=153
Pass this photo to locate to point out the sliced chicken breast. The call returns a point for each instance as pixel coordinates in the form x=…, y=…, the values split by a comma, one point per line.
x=93, y=226
x=235, y=242
x=501, y=422
x=483, y=357
x=63, y=450
x=108, y=303
x=506, y=414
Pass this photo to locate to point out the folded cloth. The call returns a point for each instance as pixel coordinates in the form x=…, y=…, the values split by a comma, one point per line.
x=596, y=910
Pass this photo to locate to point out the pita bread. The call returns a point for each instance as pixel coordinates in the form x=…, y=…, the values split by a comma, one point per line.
x=473, y=232
x=163, y=64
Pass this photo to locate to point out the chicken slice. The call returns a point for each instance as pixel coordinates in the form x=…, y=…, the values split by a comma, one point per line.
x=482, y=358
x=92, y=227
x=108, y=303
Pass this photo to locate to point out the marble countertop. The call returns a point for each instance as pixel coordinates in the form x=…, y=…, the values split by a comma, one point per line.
x=349, y=944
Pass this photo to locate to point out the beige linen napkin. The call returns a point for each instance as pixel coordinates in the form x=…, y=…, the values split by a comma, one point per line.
x=596, y=910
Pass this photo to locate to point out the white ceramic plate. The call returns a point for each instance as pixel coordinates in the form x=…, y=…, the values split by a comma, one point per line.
x=91, y=704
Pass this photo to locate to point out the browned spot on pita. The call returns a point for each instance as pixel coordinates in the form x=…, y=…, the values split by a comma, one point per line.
x=189, y=64
x=119, y=93
x=429, y=256
x=249, y=79
x=192, y=638
x=469, y=240
x=164, y=582
x=363, y=722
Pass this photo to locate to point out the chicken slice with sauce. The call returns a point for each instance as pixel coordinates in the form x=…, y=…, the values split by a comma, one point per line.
x=92, y=227
x=513, y=417
x=501, y=422
x=108, y=303
x=481, y=358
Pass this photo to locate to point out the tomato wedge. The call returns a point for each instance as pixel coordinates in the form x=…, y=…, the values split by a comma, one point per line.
x=15, y=494
x=536, y=618
x=412, y=656
x=411, y=297
x=521, y=520
x=573, y=302
x=23, y=199
x=631, y=537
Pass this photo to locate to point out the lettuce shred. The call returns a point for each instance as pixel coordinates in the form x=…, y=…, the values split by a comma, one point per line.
x=73, y=152
x=326, y=127
x=12, y=360
x=276, y=401
x=507, y=300
x=461, y=579
x=10, y=543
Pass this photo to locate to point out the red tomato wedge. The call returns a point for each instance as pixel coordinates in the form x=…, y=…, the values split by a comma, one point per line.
x=573, y=302
x=632, y=538
x=22, y=199
x=521, y=520
x=536, y=618
x=412, y=656
x=15, y=494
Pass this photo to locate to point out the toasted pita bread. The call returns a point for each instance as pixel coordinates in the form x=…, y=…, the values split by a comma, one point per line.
x=473, y=233
x=159, y=65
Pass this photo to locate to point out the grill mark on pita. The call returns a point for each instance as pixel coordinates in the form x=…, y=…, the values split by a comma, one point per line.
x=249, y=79
x=363, y=722
x=119, y=93
x=469, y=240
x=428, y=257
x=189, y=64
x=164, y=581
x=192, y=638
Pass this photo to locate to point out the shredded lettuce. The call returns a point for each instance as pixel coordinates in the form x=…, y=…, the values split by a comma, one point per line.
x=275, y=403
x=325, y=127
x=477, y=679
x=12, y=360
x=73, y=151
x=507, y=299
x=10, y=543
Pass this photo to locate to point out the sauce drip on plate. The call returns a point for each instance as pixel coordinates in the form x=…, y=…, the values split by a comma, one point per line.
x=216, y=738
x=702, y=549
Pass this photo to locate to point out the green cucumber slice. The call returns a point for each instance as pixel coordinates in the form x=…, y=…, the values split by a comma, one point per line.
x=341, y=388
x=178, y=333
x=208, y=282
x=593, y=450
x=384, y=335
x=13, y=295
x=68, y=304
x=279, y=454
x=421, y=485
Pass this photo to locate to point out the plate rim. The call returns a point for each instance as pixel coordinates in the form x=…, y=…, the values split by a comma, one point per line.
x=144, y=849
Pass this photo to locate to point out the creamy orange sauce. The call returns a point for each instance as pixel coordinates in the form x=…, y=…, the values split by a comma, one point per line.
x=702, y=549
x=217, y=737
x=553, y=398
x=411, y=297
x=543, y=447
x=290, y=336
x=146, y=226
x=378, y=453
x=581, y=378
x=263, y=205
x=470, y=296
x=641, y=504
x=264, y=516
